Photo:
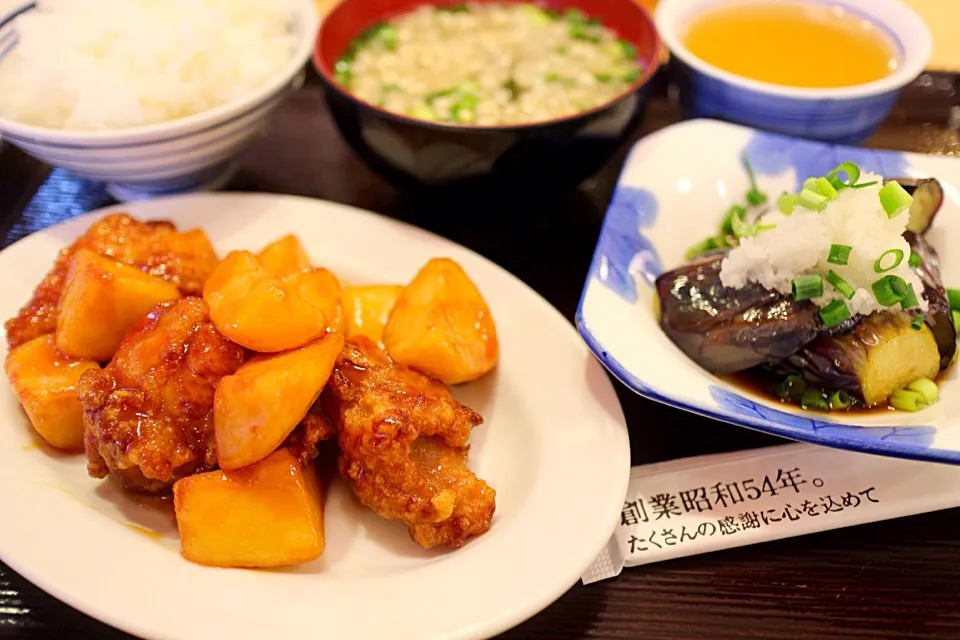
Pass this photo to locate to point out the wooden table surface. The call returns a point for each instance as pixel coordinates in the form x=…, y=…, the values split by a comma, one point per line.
x=897, y=579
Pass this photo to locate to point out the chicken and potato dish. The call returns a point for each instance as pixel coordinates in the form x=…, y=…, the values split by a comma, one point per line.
x=220, y=380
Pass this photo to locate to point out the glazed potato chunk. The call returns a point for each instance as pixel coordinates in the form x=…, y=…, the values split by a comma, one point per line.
x=101, y=300
x=45, y=381
x=256, y=408
x=367, y=309
x=266, y=515
x=183, y=258
x=442, y=326
x=264, y=313
x=284, y=256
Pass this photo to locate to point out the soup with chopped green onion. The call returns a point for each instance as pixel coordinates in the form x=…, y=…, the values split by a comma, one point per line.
x=488, y=64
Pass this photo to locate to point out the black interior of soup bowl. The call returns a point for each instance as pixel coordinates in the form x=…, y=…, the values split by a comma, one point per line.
x=421, y=154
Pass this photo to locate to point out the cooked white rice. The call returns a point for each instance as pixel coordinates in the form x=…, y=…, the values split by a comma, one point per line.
x=113, y=64
x=800, y=244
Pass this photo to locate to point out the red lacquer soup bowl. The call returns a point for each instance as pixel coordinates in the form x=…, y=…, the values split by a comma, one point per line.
x=422, y=154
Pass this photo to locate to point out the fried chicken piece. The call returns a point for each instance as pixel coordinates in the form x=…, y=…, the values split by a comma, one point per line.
x=185, y=259
x=403, y=443
x=148, y=415
x=304, y=441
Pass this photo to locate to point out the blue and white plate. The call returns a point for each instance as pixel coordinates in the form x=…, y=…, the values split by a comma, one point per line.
x=674, y=188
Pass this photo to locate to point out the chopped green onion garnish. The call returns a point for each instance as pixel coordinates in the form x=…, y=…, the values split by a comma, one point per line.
x=629, y=51
x=917, y=323
x=905, y=400
x=899, y=285
x=884, y=291
x=927, y=388
x=840, y=400
x=579, y=32
x=953, y=295
x=790, y=388
x=367, y=34
x=713, y=242
x=743, y=230
x=786, y=202
x=423, y=112
x=914, y=259
x=813, y=399
x=909, y=300
x=894, y=199
x=718, y=242
x=839, y=253
x=824, y=188
x=811, y=200
x=882, y=265
x=806, y=287
x=735, y=210
x=754, y=195
x=387, y=35
x=740, y=228
x=441, y=93
x=850, y=169
x=834, y=313
x=536, y=15
x=697, y=249
x=864, y=184
x=842, y=286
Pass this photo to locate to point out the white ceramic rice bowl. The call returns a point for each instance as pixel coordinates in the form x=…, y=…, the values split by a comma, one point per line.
x=187, y=154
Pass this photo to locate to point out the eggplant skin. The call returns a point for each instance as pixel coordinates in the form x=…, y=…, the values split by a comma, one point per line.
x=937, y=317
x=727, y=330
x=881, y=354
x=927, y=199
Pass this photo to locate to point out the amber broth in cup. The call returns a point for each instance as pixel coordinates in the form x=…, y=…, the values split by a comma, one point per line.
x=796, y=44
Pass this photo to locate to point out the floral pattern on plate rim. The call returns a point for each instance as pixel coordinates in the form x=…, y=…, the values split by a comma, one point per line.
x=622, y=249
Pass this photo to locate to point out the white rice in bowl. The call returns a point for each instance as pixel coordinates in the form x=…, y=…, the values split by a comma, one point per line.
x=93, y=65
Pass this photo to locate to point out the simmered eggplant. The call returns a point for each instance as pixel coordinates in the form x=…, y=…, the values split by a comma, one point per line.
x=827, y=353
x=937, y=317
x=881, y=354
x=927, y=199
x=727, y=330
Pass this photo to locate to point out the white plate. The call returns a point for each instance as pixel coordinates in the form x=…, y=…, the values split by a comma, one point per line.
x=554, y=445
x=672, y=192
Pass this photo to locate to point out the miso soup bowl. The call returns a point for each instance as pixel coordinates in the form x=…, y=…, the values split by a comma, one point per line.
x=426, y=156
x=842, y=114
